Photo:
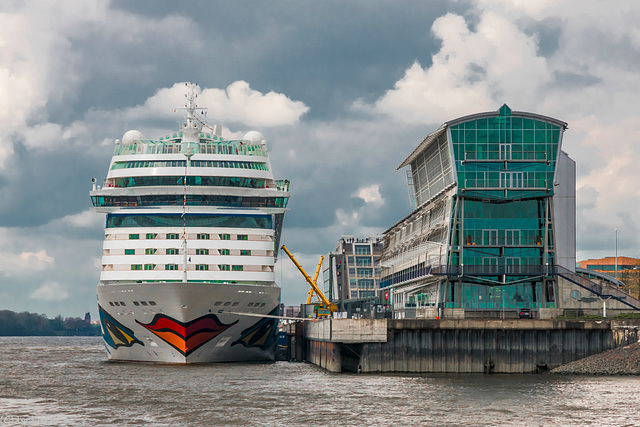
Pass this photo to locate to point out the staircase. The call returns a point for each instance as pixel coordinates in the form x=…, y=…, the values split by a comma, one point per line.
x=597, y=289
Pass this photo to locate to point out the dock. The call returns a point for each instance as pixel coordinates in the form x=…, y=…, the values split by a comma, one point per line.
x=455, y=345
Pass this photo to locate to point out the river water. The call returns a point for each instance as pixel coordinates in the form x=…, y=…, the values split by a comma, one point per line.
x=67, y=381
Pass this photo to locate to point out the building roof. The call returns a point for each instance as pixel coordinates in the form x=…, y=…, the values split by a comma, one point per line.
x=502, y=111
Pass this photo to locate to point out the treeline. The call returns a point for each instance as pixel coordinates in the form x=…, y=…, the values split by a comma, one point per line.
x=32, y=324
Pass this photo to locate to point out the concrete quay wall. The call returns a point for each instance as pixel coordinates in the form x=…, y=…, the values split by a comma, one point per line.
x=467, y=346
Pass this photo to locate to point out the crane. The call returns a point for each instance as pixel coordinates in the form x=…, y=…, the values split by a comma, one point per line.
x=327, y=306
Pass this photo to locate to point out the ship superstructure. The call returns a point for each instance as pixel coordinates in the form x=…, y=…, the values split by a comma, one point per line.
x=192, y=230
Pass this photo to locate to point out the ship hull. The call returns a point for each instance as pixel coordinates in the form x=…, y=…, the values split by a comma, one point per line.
x=187, y=323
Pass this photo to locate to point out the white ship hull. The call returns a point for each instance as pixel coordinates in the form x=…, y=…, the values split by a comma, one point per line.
x=188, y=323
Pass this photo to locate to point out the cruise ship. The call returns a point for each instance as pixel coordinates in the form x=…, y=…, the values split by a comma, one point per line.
x=193, y=223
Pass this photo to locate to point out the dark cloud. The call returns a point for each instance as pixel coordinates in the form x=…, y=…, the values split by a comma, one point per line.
x=323, y=53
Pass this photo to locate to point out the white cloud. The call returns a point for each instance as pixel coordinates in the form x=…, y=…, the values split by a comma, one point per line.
x=50, y=291
x=237, y=103
x=24, y=262
x=370, y=194
x=85, y=219
x=473, y=71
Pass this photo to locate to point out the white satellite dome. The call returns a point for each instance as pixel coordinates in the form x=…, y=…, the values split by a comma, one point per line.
x=132, y=136
x=254, y=137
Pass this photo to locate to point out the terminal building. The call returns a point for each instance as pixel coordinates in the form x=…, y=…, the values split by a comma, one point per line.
x=493, y=233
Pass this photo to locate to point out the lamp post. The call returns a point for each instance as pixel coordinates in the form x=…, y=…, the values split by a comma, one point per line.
x=616, y=254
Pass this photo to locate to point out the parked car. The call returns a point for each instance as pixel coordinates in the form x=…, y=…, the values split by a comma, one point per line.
x=525, y=313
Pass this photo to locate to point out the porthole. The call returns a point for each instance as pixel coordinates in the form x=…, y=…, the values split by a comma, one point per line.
x=217, y=303
x=226, y=304
x=143, y=302
x=136, y=303
x=235, y=304
x=152, y=303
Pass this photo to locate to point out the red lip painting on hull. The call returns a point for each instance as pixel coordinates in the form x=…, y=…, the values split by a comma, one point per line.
x=186, y=337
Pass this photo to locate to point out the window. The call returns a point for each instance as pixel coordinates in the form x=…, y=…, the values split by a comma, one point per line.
x=151, y=235
x=171, y=267
x=136, y=266
x=173, y=236
x=149, y=266
x=150, y=251
x=363, y=250
x=245, y=252
x=203, y=236
x=224, y=251
x=243, y=237
x=202, y=267
x=134, y=236
x=224, y=267
x=202, y=251
x=152, y=303
x=237, y=268
x=225, y=236
x=136, y=303
x=129, y=251
x=173, y=251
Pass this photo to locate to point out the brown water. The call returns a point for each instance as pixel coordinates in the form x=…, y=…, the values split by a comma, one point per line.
x=67, y=381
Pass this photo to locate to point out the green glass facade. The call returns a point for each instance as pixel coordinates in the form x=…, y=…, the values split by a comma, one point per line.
x=501, y=240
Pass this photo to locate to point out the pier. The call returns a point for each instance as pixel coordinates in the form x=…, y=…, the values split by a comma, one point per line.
x=455, y=345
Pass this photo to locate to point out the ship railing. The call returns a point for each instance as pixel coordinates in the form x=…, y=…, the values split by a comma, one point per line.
x=230, y=147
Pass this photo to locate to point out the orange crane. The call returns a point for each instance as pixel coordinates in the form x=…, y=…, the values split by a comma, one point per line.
x=327, y=306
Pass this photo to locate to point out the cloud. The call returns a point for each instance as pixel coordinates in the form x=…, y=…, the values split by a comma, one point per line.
x=50, y=291
x=25, y=262
x=370, y=194
x=473, y=71
x=237, y=103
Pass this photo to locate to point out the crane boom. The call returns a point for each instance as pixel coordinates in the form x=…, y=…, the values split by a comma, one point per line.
x=330, y=306
x=315, y=280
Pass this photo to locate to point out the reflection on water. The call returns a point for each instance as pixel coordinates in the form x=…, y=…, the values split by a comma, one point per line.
x=67, y=381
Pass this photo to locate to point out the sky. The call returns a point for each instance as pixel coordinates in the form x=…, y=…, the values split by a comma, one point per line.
x=343, y=91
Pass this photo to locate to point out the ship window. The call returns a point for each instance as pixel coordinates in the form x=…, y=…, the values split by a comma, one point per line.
x=136, y=266
x=149, y=266
x=203, y=236
x=243, y=237
x=224, y=251
x=226, y=304
x=250, y=304
x=224, y=267
x=237, y=268
x=122, y=303
x=262, y=305
x=202, y=267
x=173, y=251
x=235, y=304
x=111, y=303
x=217, y=303
x=129, y=251
x=152, y=303
x=171, y=267
x=116, y=303
x=202, y=251
x=245, y=252
x=225, y=236
x=136, y=303
x=143, y=302
x=173, y=236
x=150, y=251
x=134, y=236
x=151, y=235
